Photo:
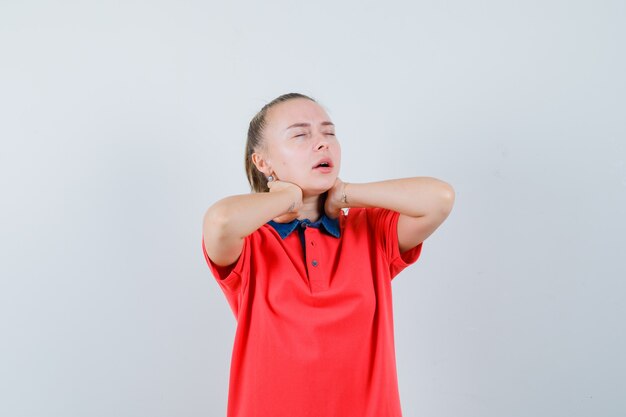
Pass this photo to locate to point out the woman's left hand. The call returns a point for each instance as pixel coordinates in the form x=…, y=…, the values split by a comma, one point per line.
x=334, y=204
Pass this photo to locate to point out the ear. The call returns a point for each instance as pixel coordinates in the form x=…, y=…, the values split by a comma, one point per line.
x=261, y=164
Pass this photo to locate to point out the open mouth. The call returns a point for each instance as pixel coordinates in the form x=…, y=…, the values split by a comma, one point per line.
x=324, y=163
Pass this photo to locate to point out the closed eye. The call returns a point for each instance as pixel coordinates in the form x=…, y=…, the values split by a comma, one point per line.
x=304, y=134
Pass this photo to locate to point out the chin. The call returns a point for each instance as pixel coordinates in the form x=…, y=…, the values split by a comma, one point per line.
x=317, y=189
x=315, y=184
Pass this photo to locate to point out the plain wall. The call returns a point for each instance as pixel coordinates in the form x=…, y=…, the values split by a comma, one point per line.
x=122, y=122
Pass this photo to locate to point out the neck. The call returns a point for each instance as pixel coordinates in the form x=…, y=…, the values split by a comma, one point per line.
x=312, y=208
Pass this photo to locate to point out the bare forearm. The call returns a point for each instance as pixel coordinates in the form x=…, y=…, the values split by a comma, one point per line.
x=241, y=215
x=415, y=197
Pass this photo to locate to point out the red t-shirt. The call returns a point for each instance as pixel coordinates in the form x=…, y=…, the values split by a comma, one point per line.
x=315, y=335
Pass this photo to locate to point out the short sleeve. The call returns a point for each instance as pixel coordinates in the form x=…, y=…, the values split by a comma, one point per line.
x=231, y=278
x=385, y=223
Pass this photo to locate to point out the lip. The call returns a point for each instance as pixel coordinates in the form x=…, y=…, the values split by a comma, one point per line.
x=327, y=160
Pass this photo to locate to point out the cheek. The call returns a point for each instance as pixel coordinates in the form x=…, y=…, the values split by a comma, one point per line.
x=337, y=151
x=286, y=165
x=280, y=158
x=291, y=158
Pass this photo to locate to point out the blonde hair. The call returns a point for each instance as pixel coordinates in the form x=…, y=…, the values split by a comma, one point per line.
x=255, y=142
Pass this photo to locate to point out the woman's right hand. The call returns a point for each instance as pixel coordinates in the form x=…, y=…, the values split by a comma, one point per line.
x=291, y=213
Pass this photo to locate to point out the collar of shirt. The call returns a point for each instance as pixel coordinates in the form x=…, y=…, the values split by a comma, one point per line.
x=330, y=226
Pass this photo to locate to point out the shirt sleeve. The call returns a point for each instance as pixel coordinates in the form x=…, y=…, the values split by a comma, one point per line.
x=232, y=278
x=385, y=223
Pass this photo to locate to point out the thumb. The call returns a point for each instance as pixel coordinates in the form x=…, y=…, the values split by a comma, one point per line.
x=331, y=210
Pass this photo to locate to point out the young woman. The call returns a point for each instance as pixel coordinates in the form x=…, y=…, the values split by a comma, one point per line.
x=310, y=283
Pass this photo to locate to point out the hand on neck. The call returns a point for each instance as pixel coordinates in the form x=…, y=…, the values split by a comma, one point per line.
x=312, y=208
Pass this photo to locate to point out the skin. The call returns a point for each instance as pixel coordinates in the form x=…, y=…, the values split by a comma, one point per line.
x=289, y=155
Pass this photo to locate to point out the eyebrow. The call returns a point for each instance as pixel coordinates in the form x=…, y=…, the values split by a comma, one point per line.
x=309, y=125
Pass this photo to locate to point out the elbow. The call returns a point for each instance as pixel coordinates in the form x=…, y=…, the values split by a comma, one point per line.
x=216, y=221
x=447, y=197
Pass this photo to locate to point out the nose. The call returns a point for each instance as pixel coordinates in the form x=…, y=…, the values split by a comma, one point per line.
x=322, y=143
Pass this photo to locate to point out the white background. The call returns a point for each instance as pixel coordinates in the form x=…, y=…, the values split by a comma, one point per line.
x=122, y=122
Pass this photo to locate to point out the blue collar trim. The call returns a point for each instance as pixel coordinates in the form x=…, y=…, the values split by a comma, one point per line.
x=331, y=226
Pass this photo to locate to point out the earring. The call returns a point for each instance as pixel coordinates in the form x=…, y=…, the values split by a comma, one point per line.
x=270, y=178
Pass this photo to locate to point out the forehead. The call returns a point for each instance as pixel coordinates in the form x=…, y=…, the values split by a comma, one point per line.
x=299, y=110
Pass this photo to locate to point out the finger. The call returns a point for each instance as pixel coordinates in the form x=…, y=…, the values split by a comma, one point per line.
x=274, y=185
